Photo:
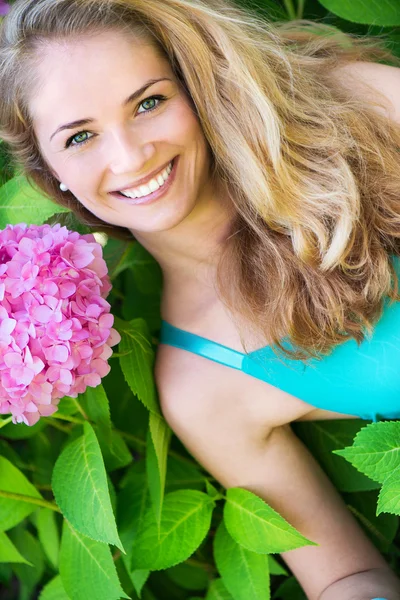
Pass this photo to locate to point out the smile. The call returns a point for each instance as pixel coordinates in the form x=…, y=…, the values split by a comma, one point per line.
x=152, y=186
x=143, y=194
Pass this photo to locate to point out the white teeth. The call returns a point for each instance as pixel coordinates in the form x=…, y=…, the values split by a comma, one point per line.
x=153, y=185
x=144, y=190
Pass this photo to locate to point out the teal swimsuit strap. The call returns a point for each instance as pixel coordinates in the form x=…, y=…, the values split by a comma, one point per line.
x=199, y=345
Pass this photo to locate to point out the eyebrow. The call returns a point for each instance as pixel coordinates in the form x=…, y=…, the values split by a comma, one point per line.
x=131, y=98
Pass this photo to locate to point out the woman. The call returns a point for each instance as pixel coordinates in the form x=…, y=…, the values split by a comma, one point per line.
x=267, y=189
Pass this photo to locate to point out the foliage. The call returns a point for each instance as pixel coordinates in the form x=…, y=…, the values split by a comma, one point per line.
x=100, y=499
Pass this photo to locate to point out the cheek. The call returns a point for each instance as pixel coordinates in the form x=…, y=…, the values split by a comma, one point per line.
x=185, y=124
x=82, y=172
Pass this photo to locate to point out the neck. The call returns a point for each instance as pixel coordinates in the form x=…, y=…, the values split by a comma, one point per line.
x=189, y=252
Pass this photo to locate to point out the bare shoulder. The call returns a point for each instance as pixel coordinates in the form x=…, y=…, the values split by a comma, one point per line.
x=380, y=82
x=198, y=393
x=208, y=404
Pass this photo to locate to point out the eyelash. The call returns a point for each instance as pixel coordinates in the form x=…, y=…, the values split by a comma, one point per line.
x=160, y=99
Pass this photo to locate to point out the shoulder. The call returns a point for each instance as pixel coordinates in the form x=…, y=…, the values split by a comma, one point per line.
x=196, y=392
x=377, y=81
x=200, y=397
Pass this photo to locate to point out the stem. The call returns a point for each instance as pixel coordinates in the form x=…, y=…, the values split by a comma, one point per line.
x=79, y=407
x=63, y=428
x=300, y=8
x=5, y=422
x=201, y=565
x=119, y=354
x=45, y=487
x=69, y=418
x=290, y=9
x=30, y=500
x=116, y=556
x=134, y=439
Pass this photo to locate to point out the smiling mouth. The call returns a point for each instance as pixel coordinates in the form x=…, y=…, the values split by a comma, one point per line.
x=153, y=185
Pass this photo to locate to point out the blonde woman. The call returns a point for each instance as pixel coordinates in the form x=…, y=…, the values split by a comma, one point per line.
x=258, y=163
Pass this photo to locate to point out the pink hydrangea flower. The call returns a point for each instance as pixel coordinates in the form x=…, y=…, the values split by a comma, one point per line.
x=55, y=323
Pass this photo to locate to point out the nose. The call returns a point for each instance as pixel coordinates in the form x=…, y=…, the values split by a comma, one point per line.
x=127, y=155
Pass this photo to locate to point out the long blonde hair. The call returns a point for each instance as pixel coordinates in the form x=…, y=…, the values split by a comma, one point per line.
x=313, y=172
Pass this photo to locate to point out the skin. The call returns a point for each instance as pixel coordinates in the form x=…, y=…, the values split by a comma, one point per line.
x=127, y=143
x=235, y=425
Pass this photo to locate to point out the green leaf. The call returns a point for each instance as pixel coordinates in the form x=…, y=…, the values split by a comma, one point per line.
x=386, y=12
x=322, y=438
x=22, y=431
x=132, y=504
x=48, y=535
x=145, y=269
x=275, y=568
x=21, y=203
x=137, y=304
x=54, y=590
x=158, y=439
x=185, y=520
x=139, y=578
x=244, y=573
x=189, y=577
x=67, y=406
x=381, y=529
x=212, y=491
x=389, y=496
x=8, y=552
x=218, y=591
x=290, y=590
x=43, y=451
x=29, y=575
x=87, y=568
x=256, y=526
x=81, y=491
x=6, y=574
x=7, y=450
x=115, y=453
x=128, y=413
x=114, y=253
x=375, y=450
x=137, y=358
x=133, y=501
x=114, y=449
x=13, y=511
x=95, y=404
x=181, y=474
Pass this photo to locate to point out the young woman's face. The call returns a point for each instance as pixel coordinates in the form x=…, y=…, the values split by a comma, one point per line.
x=105, y=136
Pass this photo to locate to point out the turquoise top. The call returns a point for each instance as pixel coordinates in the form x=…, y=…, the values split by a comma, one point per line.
x=363, y=380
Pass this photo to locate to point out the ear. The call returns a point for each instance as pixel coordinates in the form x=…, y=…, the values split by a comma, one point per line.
x=375, y=81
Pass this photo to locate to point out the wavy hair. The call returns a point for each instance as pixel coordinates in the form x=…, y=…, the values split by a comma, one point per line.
x=312, y=170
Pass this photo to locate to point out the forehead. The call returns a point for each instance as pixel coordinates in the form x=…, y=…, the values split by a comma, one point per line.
x=73, y=73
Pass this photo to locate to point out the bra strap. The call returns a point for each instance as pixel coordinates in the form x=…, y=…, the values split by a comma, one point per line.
x=173, y=336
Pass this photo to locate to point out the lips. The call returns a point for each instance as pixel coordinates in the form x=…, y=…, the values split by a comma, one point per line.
x=144, y=180
x=153, y=196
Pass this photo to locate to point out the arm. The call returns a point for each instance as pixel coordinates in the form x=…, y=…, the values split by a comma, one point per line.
x=378, y=581
x=346, y=565
x=217, y=423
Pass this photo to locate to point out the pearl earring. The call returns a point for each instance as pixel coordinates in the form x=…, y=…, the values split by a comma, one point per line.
x=63, y=187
